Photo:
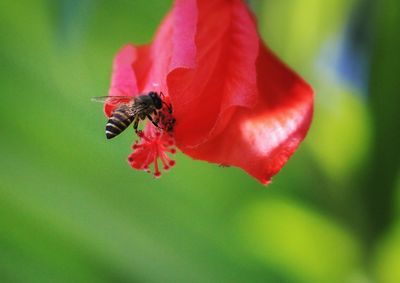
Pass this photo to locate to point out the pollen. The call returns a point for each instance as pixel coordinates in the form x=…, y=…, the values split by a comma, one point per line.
x=154, y=145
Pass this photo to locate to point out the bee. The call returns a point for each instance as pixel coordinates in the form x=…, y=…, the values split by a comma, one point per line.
x=132, y=109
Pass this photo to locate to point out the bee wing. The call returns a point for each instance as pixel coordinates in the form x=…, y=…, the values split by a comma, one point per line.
x=115, y=100
x=137, y=108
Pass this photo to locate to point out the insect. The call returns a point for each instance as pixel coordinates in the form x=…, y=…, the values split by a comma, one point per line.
x=131, y=110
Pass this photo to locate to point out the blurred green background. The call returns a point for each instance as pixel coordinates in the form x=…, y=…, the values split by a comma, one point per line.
x=72, y=210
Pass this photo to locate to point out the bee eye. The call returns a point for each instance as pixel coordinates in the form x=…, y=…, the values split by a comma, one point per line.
x=158, y=102
x=156, y=99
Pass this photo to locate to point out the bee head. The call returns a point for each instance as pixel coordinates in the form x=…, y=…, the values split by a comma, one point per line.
x=156, y=99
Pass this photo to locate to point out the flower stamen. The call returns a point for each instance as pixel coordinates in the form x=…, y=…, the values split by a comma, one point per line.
x=153, y=144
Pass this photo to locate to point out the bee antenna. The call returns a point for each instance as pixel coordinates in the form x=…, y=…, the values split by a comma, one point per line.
x=169, y=106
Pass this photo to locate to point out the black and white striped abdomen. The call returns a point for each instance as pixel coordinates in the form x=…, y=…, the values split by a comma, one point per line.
x=120, y=119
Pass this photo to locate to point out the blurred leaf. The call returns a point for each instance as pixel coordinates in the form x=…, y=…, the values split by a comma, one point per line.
x=378, y=185
x=397, y=191
x=296, y=28
x=387, y=264
x=340, y=134
x=298, y=240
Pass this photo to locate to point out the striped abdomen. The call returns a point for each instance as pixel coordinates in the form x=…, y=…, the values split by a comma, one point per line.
x=120, y=119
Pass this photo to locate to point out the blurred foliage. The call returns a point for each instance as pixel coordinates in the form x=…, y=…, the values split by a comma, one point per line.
x=71, y=209
x=387, y=264
x=281, y=232
x=343, y=112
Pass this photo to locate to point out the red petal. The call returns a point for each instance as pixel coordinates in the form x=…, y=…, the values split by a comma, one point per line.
x=143, y=69
x=123, y=82
x=260, y=139
x=184, y=50
x=224, y=76
x=173, y=46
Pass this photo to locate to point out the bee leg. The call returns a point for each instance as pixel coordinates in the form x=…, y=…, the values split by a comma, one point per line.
x=169, y=107
x=155, y=123
x=136, y=123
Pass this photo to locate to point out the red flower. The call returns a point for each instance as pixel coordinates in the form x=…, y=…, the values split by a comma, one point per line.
x=234, y=102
